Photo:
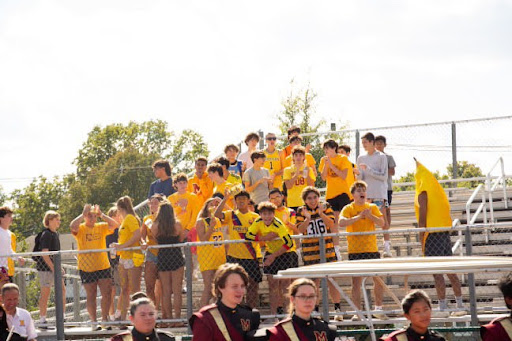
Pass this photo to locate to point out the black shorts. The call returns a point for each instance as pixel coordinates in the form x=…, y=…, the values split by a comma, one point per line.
x=438, y=244
x=285, y=261
x=94, y=276
x=337, y=203
x=390, y=197
x=251, y=266
x=363, y=255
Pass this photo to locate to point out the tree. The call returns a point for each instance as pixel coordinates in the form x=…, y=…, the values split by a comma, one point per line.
x=3, y=196
x=466, y=170
x=103, y=143
x=186, y=148
x=33, y=201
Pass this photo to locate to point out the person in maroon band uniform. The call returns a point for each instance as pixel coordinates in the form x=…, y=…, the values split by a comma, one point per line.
x=500, y=328
x=228, y=318
x=301, y=326
x=418, y=310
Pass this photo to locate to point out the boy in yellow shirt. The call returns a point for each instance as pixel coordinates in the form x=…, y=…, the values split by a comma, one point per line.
x=186, y=205
x=279, y=254
x=297, y=177
x=361, y=216
x=200, y=184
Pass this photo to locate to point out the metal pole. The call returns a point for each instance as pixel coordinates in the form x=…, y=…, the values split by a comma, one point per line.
x=261, y=143
x=190, y=269
x=325, y=292
x=59, y=305
x=471, y=281
x=454, y=151
x=357, y=144
x=76, y=298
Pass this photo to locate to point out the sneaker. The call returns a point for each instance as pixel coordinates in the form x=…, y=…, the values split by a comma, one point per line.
x=459, y=312
x=379, y=314
x=184, y=290
x=95, y=328
x=387, y=254
x=355, y=318
x=338, y=317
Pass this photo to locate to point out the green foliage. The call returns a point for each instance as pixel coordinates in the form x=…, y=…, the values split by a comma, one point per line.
x=186, y=148
x=3, y=196
x=150, y=137
x=464, y=170
x=33, y=201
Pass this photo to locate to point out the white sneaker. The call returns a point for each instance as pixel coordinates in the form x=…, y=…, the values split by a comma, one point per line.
x=459, y=312
x=387, y=254
x=379, y=314
x=355, y=318
x=338, y=317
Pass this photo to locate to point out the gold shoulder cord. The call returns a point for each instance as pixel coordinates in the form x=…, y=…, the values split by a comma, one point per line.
x=290, y=331
x=220, y=323
x=506, y=323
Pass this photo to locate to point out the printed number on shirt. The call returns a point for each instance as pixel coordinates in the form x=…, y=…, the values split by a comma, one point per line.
x=300, y=181
x=217, y=239
x=316, y=226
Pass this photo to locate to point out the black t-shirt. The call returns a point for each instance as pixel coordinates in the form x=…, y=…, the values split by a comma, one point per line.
x=49, y=240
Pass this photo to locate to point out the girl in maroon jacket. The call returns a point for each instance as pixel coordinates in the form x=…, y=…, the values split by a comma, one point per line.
x=301, y=326
x=227, y=319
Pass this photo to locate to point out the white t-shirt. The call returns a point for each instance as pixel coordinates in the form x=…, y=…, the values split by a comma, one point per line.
x=5, y=246
x=23, y=324
x=245, y=157
x=375, y=175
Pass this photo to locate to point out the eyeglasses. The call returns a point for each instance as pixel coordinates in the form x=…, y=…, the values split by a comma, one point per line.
x=271, y=138
x=306, y=298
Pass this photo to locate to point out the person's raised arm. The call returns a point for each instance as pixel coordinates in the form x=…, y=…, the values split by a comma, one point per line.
x=303, y=226
x=218, y=211
x=75, y=223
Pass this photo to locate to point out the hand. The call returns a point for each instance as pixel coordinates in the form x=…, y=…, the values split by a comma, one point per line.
x=217, y=200
x=321, y=208
x=365, y=213
x=116, y=246
x=98, y=210
x=63, y=271
x=356, y=171
x=306, y=213
x=306, y=172
x=143, y=246
x=86, y=210
x=227, y=192
x=363, y=166
x=21, y=260
x=269, y=260
x=269, y=236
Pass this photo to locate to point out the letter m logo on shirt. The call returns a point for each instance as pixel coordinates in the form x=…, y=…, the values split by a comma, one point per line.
x=320, y=336
x=246, y=325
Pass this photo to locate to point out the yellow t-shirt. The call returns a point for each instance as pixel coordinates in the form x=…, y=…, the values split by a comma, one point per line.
x=234, y=179
x=259, y=228
x=150, y=240
x=335, y=184
x=188, y=210
x=221, y=189
x=287, y=214
x=92, y=238
x=10, y=261
x=361, y=243
x=274, y=164
x=202, y=187
x=238, y=225
x=294, y=193
x=211, y=256
x=129, y=225
x=309, y=161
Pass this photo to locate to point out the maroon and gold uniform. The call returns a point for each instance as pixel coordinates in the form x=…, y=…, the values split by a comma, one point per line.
x=499, y=329
x=310, y=330
x=410, y=335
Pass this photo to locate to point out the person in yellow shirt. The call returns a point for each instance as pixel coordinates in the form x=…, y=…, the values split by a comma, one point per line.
x=279, y=245
x=94, y=267
x=334, y=169
x=186, y=205
x=130, y=267
x=231, y=177
x=248, y=255
x=297, y=177
x=296, y=141
x=433, y=210
x=353, y=171
x=216, y=173
x=361, y=216
x=211, y=256
x=273, y=161
x=153, y=285
x=200, y=184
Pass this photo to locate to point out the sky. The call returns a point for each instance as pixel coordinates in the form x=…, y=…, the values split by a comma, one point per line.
x=222, y=68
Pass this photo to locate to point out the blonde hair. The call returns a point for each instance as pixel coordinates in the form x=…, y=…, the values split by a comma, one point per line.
x=294, y=287
x=125, y=203
x=49, y=215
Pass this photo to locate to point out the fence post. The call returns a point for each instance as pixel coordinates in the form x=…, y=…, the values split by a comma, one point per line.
x=21, y=280
x=471, y=280
x=59, y=305
x=76, y=300
x=325, y=290
x=454, y=151
x=261, y=143
x=357, y=144
x=190, y=270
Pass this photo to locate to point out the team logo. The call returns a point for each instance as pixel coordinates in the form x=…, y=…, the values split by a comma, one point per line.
x=22, y=323
x=320, y=336
x=246, y=325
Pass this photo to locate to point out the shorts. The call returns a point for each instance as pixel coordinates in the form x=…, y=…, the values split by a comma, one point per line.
x=285, y=261
x=46, y=279
x=338, y=202
x=380, y=203
x=150, y=257
x=438, y=244
x=390, y=197
x=251, y=266
x=363, y=255
x=126, y=263
x=94, y=276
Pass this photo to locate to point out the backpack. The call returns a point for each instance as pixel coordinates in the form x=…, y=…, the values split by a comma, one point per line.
x=37, y=247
